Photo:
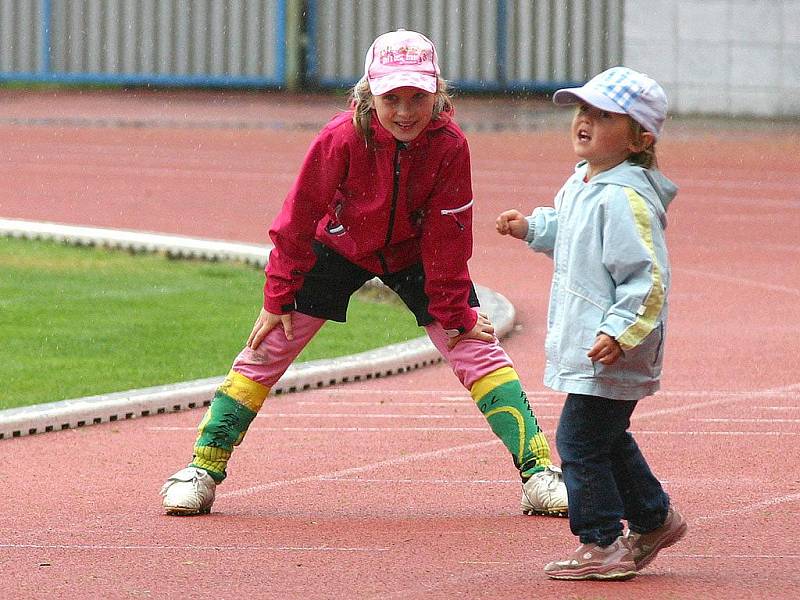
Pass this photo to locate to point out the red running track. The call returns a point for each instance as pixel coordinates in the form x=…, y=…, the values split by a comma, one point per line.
x=396, y=488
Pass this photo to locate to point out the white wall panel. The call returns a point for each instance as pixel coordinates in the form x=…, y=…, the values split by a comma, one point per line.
x=725, y=57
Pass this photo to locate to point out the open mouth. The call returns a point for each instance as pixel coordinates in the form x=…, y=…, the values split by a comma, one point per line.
x=583, y=136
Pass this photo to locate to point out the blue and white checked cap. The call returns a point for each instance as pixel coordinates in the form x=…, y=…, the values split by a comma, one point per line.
x=622, y=90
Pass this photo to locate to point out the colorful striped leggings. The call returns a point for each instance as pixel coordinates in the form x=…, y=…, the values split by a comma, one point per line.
x=483, y=368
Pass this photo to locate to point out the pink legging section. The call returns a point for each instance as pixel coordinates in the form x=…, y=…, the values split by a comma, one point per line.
x=267, y=364
x=470, y=359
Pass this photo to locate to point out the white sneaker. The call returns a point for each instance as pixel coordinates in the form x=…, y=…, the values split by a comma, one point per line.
x=189, y=492
x=545, y=493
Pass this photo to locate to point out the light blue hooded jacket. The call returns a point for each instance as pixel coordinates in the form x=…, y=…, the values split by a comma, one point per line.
x=611, y=275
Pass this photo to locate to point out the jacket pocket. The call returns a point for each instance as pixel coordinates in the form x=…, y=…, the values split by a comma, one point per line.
x=638, y=365
x=582, y=317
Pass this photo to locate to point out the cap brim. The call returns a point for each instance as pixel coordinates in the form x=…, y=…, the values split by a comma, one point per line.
x=582, y=94
x=423, y=81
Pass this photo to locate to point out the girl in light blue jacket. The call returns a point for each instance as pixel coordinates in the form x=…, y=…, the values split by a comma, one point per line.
x=606, y=321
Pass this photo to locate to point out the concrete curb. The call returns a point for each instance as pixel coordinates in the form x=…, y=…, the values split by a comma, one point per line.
x=67, y=414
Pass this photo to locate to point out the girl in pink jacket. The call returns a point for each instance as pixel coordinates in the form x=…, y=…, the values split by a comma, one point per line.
x=385, y=191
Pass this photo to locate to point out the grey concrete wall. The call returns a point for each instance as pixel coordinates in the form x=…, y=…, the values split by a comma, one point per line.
x=732, y=57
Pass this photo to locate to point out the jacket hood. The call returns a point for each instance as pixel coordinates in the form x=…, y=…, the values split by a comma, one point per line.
x=649, y=183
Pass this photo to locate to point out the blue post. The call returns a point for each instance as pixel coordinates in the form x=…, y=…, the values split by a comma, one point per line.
x=501, y=42
x=280, y=43
x=312, y=64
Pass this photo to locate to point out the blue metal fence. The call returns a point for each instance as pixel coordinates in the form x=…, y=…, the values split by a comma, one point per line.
x=490, y=45
x=232, y=43
x=484, y=45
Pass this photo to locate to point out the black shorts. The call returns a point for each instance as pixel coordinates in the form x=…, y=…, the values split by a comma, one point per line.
x=333, y=279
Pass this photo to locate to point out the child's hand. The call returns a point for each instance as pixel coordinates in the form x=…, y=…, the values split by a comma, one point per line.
x=513, y=223
x=265, y=323
x=606, y=350
x=483, y=330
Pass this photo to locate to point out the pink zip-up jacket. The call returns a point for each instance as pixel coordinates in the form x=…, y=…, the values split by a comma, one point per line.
x=383, y=208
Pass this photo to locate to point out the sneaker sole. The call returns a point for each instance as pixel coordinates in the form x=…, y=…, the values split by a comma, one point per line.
x=182, y=511
x=666, y=543
x=541, y=512
x=620, y=575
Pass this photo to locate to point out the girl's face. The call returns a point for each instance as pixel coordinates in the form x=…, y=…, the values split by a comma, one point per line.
x=405, y=111
x=604, y=139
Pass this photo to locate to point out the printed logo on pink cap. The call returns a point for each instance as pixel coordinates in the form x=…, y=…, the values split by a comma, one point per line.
x=401, y=58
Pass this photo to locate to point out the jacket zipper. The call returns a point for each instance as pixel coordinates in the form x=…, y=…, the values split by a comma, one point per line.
x=395, y=192
x=393, y=210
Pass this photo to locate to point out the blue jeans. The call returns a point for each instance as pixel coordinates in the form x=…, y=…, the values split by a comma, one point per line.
x=606, y=475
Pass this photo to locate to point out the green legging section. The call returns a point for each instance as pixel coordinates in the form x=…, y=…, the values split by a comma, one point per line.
x=223, y=427
x=511, y=418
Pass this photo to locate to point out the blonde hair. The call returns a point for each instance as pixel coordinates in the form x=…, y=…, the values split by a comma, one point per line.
x=645, y=158
x=362, y=101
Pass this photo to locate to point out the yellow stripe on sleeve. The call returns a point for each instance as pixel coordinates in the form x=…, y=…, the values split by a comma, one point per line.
x=654, y=302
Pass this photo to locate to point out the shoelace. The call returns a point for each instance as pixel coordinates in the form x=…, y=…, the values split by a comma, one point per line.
x=552, y=480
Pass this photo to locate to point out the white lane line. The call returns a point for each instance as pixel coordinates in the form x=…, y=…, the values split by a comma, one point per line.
x=340, y=429
x=783, y=391
x=110, y=170
x=750, y=180
x=351, y=390
x=190, y=547
x=354, y=391
x=423, y=481
x=404, y=459
x=483, y=429
x=713, y=482
x=720, y=398
x=403, y=404
x=324, y=415
x=672, y=554
x=712, y=433
x=740, y=281
x=754, y=420
x=749, y=508
x=778, y=392
x=381, y=403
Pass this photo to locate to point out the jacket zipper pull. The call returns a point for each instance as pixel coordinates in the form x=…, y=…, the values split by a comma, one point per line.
x=460, y=226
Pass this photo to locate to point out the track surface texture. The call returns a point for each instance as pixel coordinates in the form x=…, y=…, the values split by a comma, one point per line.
x=396, y=488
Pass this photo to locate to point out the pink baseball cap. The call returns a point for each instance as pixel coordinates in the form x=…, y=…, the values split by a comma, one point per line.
x=401, y=58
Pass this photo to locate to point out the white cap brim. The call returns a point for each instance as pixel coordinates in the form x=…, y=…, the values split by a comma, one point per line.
x=568, y=96
x=423, y=81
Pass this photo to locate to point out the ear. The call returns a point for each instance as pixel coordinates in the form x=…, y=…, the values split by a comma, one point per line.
x=644, y=141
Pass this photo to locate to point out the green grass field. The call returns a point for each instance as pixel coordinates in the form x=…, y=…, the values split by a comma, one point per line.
x=82, y=321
